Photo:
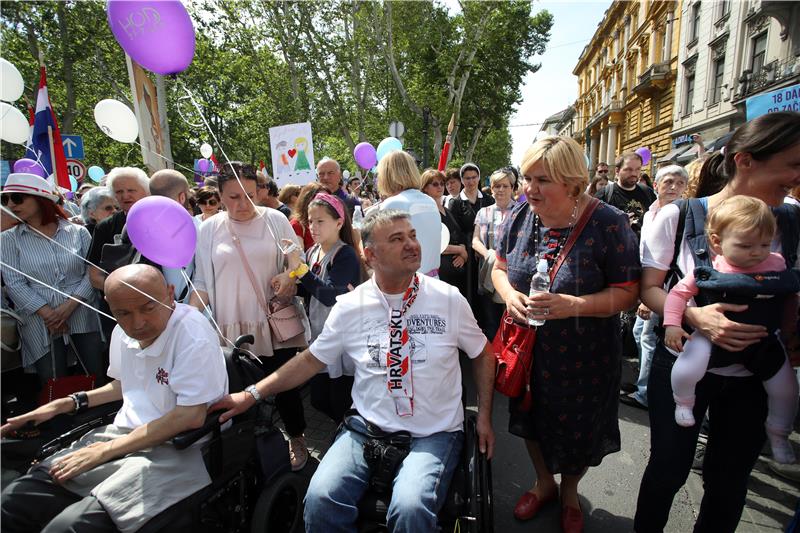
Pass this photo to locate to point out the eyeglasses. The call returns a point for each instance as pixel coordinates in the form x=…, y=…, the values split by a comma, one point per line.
x=210, y=203
x=602, y=171
x=16, y=197
x=470, y=177
x=437, y=183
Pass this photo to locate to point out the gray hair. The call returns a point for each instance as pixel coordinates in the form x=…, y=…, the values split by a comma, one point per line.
x=671, y=170
x=92, y=199
x=377, y=219
x=327, y=159
x=128, y=172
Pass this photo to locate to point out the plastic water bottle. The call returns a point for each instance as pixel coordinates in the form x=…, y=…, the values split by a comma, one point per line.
x=540, y=282
x=358, y=216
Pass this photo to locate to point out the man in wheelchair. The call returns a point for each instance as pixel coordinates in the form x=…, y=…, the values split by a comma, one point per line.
x=167, y=367
x=403, y=331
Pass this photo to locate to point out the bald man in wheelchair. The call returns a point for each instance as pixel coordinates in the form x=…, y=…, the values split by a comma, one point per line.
x=167, y=367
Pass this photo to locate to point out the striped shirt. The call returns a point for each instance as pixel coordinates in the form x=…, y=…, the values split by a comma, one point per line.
x=29, y=252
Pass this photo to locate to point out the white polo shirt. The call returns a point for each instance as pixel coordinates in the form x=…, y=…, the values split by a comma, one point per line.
x=440, y=322
x=184, y=366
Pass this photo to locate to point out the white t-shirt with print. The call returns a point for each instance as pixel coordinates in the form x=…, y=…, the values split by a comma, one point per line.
x=184, y=366
x=440, y=323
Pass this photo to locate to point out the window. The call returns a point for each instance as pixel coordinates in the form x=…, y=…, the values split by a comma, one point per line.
x=717, y=73
x=724, y=8
x=695, y=22
x=759, y=52
x=688, y=94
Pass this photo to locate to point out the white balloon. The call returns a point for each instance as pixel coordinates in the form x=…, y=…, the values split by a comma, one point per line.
x=445, y=238
x=346, y=175
x=206, y=150
x=11, y=84
x=14, y=127
x=116, y=120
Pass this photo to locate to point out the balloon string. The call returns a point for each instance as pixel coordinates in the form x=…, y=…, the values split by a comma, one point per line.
x=163, y=157
x=6, y=265
x=85, y=260
x=230, y=164
x=209, y=314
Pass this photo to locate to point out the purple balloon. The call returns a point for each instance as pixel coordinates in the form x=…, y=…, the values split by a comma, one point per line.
x=163, y=230
x=203, y=165
x=157, y=34
x=365, y=155
x=645, y=154
x=29, y=166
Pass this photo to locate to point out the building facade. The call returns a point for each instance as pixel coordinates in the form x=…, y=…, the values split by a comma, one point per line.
x=626, y=80
x=728, y=52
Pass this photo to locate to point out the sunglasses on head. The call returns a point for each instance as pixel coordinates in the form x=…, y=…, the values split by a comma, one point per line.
x=210, y=203
x=16, y=197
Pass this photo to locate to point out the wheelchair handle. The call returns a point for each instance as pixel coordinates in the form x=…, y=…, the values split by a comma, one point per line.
x=243, y=339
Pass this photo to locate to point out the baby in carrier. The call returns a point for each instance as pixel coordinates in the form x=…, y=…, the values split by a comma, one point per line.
x=740, y=232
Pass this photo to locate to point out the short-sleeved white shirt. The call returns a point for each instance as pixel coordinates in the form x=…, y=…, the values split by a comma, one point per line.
x=439, y=322
x=183, y=366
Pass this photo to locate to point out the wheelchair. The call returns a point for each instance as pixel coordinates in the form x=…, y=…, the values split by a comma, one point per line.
x=468, y=506
x=252, y=486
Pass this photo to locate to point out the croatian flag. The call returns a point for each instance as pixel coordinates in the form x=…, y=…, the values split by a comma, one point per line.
x=40, y=149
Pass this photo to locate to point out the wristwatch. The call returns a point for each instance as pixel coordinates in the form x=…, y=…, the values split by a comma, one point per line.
x=253, y=392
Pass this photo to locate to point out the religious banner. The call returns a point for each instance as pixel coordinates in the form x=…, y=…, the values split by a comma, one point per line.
x=153, y=128
x=292, y=154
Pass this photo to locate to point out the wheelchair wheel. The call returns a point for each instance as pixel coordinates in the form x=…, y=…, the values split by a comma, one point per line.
x=279, y=508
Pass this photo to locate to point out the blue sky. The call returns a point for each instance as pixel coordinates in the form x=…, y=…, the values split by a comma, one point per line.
x=553, y=87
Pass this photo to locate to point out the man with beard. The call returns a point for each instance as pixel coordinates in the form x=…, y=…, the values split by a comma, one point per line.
x=627, y=194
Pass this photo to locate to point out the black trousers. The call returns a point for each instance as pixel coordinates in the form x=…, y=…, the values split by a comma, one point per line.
x=737, y=412
x=289, y=403
x=34, y=502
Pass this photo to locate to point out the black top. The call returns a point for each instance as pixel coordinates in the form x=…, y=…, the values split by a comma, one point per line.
x=455, y=276
x=465, y=212
x=104, y=234
x=634, y=203
x=286, y=210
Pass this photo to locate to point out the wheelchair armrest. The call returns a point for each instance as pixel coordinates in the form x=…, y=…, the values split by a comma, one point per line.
x=181, y=441
x=88, y=420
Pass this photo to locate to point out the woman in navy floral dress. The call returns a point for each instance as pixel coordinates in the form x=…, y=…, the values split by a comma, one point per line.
x=572, y=423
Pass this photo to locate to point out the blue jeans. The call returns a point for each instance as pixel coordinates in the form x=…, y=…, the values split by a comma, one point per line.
x=418, y=493
x=645, y=336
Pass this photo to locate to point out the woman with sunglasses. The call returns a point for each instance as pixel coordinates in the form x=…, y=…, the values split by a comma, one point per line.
x=38, y=248
x=452, y=265
x=97, y=204
x=209, y=202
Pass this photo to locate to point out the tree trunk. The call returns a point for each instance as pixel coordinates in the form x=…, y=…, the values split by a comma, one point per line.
x=476, y=135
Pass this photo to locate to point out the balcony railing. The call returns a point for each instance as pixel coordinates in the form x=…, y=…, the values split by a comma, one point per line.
x=770, y=74
x=653, y=79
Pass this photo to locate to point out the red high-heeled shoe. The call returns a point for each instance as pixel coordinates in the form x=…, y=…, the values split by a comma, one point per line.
x=571, y=519
x=529, y=504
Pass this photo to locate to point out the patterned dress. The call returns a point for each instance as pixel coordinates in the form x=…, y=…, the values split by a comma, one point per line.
x=576, y=362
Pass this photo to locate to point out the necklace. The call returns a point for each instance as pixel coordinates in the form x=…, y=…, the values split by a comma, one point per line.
x=557, y=238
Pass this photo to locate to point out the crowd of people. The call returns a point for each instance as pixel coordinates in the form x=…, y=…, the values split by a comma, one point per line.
x=637, y=269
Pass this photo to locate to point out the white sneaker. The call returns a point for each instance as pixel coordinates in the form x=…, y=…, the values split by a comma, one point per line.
x=782, y=451
x=684, y=416
x=298, y=453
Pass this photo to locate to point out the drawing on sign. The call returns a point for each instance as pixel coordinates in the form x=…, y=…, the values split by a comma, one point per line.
x=292, y=153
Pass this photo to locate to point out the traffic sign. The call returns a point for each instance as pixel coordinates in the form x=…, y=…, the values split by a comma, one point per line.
x=397, y=129
x=76, y=169
x=73, y=146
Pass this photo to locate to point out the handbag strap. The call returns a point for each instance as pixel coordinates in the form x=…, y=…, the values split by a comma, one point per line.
x=259, y=296
x=74, y=349
x=573, y=236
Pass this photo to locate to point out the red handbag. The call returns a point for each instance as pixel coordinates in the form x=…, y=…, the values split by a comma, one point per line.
x=62, y=387
x=513, y=344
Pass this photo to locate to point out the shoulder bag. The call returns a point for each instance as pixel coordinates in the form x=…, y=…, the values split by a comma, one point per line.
x=513, y=344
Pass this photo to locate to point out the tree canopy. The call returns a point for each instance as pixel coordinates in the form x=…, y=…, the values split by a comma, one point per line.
x=348, y=67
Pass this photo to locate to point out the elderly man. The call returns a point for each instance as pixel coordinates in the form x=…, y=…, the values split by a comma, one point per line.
x=329, y=175
x=173, y=185
x=167, y=367
x=402, y=332
x=129, y=185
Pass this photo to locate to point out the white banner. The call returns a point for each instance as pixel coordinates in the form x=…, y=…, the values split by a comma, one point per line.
x=292, y=154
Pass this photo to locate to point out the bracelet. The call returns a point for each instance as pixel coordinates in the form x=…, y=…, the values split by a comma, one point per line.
x=299, y=272
x=81, y=400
